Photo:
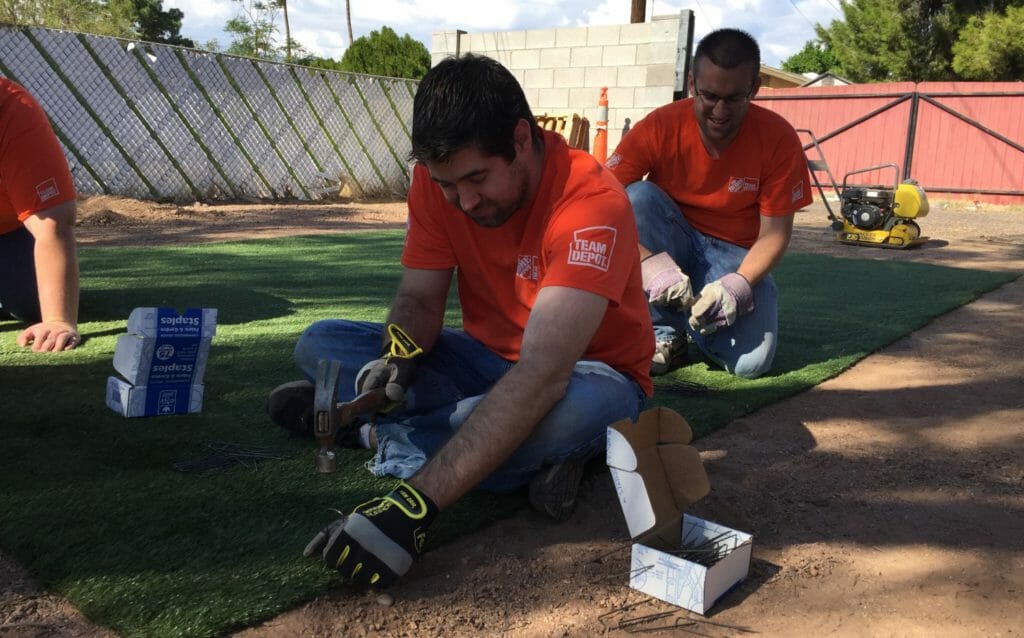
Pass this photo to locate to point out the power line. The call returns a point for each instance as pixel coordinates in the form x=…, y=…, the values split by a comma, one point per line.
x=792, y=2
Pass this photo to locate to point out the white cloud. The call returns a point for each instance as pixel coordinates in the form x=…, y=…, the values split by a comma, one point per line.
x=780, y=26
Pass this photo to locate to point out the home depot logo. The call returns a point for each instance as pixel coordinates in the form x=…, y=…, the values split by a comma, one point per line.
x=47, y=190
x=593, y=247
x=743, y=184
x=526, y=267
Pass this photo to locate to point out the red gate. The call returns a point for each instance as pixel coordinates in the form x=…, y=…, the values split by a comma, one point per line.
x=957, y=139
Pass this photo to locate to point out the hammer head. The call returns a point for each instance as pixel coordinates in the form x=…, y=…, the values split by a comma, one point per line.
x=325, y=414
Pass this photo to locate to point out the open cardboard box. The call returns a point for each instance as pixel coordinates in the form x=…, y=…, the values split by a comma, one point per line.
x=657, y=475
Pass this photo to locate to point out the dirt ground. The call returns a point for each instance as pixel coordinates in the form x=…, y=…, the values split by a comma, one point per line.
x=888, y=501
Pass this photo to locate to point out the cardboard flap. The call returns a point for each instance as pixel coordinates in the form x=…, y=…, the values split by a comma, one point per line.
x=656, y=473
x=690, y=481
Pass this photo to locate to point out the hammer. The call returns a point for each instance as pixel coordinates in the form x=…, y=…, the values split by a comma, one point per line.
x=331, y=417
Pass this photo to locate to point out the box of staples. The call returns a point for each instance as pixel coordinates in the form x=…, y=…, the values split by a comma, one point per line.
x=161, y=360
x=676, y=557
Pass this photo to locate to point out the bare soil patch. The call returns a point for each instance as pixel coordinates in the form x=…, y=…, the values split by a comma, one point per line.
x=887, y=501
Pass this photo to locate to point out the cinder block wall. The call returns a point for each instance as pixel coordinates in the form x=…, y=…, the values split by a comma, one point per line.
x=563, y=70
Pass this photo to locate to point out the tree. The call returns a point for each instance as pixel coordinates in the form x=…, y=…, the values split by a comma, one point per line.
x=991, y=47
x=815, y=57
x=135, y=19
x=892, y=40
x=153, y=24
x=384, y=53
x=252, y=30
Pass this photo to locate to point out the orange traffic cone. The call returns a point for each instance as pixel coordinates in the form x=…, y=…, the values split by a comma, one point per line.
x=601, y=138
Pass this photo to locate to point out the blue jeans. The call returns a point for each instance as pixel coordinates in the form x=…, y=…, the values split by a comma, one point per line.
x=19, y=296
x=450, y=381
x=745, y=348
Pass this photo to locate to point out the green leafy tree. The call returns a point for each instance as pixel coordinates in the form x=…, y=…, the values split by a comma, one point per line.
x=154, y=24
x=384, y=53
x=318, y=62
x=135, y=19
x=991, y=47
x=892, y=40
x=815, y=57
x=253, y=31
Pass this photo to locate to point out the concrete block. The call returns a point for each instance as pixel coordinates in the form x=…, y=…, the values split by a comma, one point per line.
x=656, y=53
x=442, y=43
x=556, y=58
x=538, y=79
x=661, y=75
x=632, y=76
x=569, y=77
x=540, y=39
x=575, y=37
x=553, y=99
x=652, y=97
x=620, y=98
x=635, y=33
x=583, y=100
x=607, y=35
x=533, y=99
x=525, y=59
x=619, y=55
x=511, y=39
x=585, y=56
x=665, y=29
x=601, y=76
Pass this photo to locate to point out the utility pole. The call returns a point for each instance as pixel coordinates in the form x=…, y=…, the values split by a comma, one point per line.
x=287, y=33
x=348, y=20
x=638, y=11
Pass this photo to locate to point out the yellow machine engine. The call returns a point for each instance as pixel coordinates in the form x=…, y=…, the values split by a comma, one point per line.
x=881, y=216
x=871, y=215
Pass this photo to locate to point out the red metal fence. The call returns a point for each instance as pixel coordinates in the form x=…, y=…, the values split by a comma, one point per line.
x=959, y=140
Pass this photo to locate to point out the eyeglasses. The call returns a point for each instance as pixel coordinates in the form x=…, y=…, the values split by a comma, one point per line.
x=731, y=101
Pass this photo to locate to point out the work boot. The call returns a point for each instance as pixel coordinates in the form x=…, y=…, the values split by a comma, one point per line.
x=290, y=405
x=554, y=488
x=669, y=354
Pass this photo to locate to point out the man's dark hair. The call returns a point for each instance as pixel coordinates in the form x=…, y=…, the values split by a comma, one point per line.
x=729, y=49
x=468, y=100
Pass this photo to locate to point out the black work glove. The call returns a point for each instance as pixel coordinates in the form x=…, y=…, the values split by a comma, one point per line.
x=394, y=370
x=379, y=540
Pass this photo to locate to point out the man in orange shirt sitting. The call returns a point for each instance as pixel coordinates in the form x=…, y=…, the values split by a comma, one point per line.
x=715, y=213
x=556, y=340
x=38, y=262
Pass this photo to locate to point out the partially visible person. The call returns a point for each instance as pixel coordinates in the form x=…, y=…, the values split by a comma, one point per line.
x=38, y=259
x=715, y=213
x=556, y=336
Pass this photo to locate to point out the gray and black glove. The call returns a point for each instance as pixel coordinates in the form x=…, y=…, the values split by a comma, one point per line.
x=394, y=370
x=378, y=542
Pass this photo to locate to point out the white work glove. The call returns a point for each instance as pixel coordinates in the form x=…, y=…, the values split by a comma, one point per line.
x=664, y=282
x=721, y=302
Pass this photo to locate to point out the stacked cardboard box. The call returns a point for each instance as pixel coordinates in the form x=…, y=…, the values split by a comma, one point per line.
x=162, y=360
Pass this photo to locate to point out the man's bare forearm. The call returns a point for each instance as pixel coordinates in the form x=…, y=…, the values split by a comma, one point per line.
x=768, y=250
x=560, y=327
x=497, y=427
x=419, y=305
x=56, y=263
x=421, y=321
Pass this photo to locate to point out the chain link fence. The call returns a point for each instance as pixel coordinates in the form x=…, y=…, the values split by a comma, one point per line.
x=161, y=122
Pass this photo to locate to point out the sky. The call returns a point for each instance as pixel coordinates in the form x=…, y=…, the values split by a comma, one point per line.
x=781, y=27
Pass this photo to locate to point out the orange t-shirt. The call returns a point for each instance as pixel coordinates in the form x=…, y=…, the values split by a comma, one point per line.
x=34, y=173
x=762, y=172
x=578, y=232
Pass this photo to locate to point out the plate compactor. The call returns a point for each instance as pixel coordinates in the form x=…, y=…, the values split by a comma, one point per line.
x=872, y=215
